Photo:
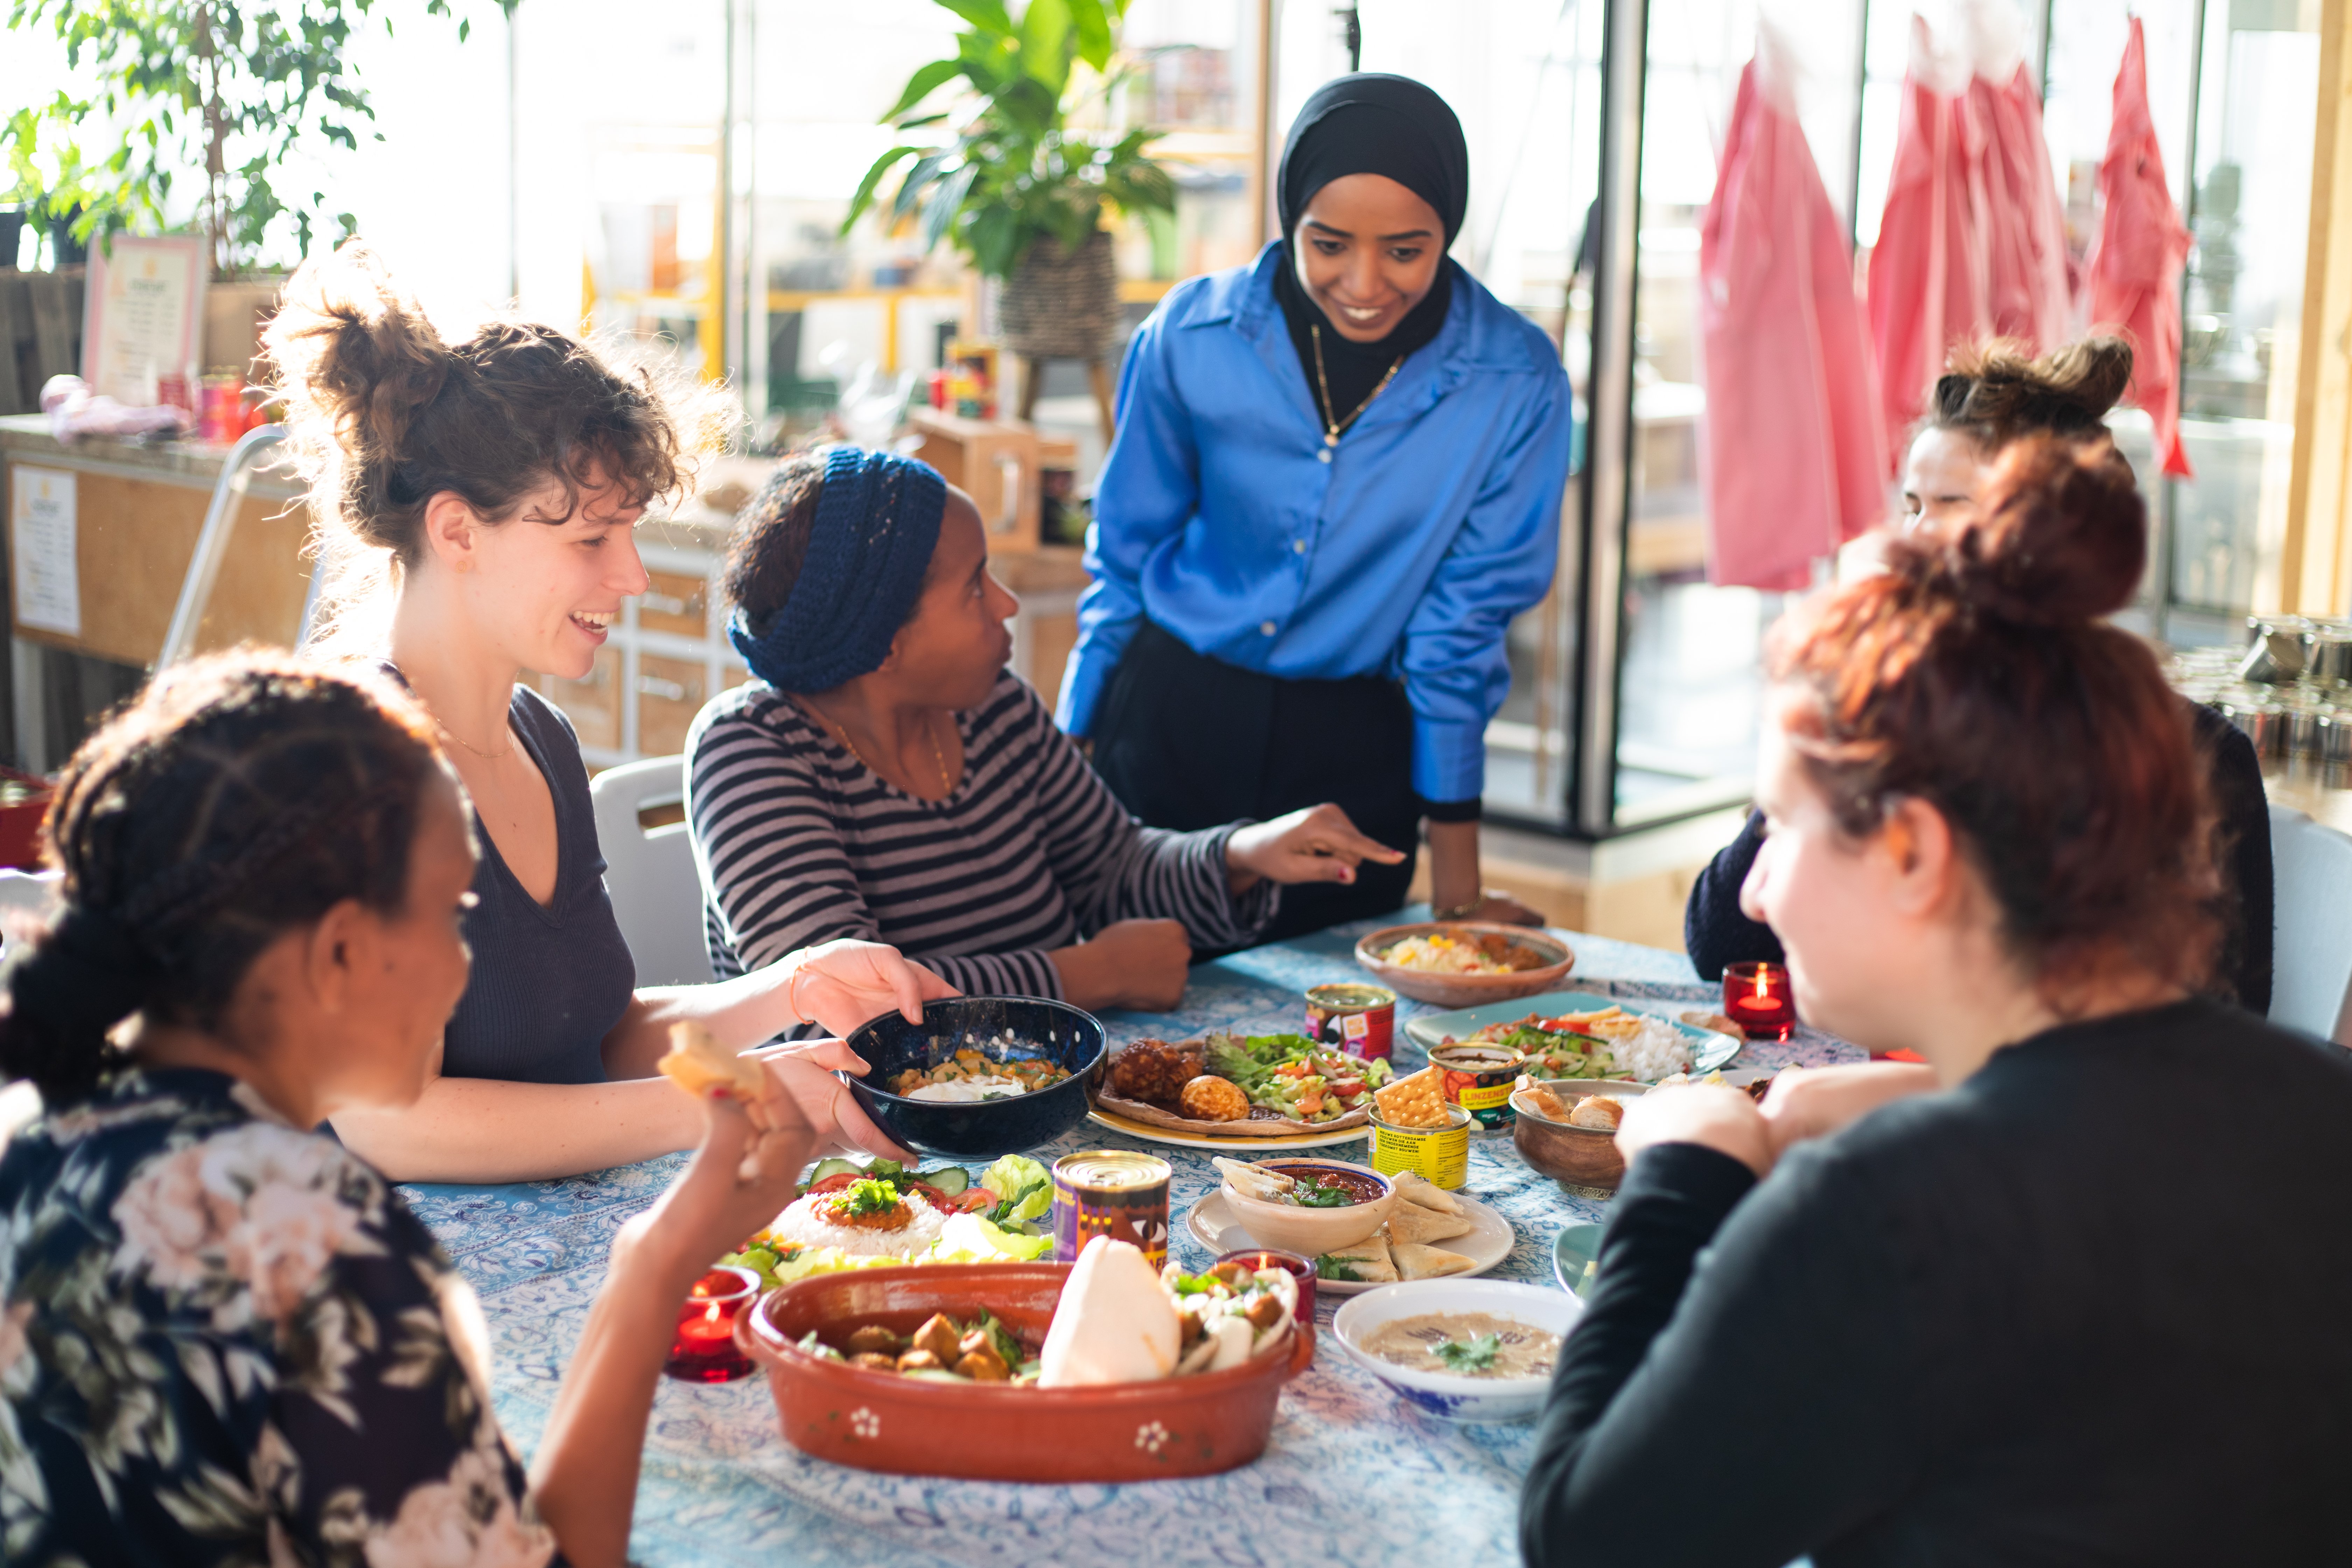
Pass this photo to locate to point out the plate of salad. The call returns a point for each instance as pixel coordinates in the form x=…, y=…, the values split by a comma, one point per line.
x=879, y=1214
x=1575, y=1034
x=1262, y=1091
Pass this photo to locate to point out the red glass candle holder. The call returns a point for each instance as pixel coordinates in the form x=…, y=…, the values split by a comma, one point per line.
x=1756, y=997
x=1299, y=1268
x=703, y=1349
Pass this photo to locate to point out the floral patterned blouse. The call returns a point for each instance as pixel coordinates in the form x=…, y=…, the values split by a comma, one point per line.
x=225, y=1341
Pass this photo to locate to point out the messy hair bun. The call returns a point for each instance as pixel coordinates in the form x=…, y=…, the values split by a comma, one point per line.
x=383, y=413
x=1978, y=675
x=1997, y=392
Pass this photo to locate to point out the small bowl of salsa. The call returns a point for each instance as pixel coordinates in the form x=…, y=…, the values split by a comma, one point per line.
x=1331, y=1205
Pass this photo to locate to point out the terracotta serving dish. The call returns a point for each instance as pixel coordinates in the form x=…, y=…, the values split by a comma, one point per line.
x=1584, y=1160
x=1466, y=989
x=1305, y=1231
x=915, y=1426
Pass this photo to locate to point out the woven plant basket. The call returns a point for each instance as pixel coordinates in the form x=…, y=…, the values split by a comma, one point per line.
x=1062, y=305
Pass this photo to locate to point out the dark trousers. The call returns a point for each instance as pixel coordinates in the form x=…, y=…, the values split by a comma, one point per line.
x=1187, y=742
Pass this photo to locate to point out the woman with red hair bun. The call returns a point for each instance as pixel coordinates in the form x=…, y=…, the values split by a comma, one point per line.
x=2077, y=1302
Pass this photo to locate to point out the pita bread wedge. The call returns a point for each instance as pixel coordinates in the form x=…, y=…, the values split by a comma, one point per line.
x=1366, y=1261
x=1410, y=1223
x=1414, y=1261
x=699, y=1065
x=1417, y=1189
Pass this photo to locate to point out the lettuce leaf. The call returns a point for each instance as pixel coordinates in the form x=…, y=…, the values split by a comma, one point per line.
x=970, y=1238
x=1023, y=1189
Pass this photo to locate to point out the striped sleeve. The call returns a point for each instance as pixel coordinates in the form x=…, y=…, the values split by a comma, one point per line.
x=1113, y=869
x=776, y=873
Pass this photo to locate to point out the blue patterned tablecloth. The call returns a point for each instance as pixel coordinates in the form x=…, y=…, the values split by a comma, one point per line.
x=1352, y=1474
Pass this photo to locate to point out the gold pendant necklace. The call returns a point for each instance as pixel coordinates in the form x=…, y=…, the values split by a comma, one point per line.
x=1331, y=432
x=931, y=732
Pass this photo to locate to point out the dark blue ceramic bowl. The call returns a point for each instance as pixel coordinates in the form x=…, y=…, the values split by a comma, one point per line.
x=985, y=1128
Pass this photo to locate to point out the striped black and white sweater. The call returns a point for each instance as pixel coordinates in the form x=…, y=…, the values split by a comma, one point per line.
x=798, y=843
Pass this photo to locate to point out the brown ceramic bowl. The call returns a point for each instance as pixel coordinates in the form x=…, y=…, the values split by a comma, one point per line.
x=1583, y=1160
x=914, y=1426
x=1467, y=990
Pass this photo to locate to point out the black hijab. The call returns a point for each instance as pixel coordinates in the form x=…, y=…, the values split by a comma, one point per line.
x=1367, y=123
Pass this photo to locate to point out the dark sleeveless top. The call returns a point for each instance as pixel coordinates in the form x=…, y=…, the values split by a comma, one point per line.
x=548, y=984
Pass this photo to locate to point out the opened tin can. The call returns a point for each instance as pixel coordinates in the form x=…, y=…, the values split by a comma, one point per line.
x=1478, y=1079
x=1438, y=1156
x=1359, y=1019
x=1115, y=1193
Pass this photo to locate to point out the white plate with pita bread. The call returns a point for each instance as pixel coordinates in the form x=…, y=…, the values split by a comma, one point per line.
x=1487, y=1242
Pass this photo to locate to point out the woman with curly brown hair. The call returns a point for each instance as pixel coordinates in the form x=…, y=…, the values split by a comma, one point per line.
x=475, y=501
x=2078, y=1303
x=224, y=1338
x=1992, y=395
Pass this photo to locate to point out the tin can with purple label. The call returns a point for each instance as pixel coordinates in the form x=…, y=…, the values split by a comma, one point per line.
x=1114, y=1193
x=1358, y=1019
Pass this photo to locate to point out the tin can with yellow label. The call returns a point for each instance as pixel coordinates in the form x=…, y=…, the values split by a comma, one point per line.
x=1438, y=1156
x=1478, y=1079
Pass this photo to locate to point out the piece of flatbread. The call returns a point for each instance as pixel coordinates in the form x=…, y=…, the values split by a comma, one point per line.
x=1369, y=1259
x=1411, y=1223
x=1416, y=1188
x=1414, y=1261
x=699, y=1065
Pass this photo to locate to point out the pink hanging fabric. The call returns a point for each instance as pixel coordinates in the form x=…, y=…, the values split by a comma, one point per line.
x=1929, y=283
x=2136, y=260
x=2028, y=295
x=1793, y=459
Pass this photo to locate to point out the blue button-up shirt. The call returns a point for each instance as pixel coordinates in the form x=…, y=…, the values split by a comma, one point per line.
x=1404, y=552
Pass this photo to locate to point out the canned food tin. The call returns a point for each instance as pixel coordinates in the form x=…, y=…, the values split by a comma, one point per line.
x=1478, y=1079
x=2331, y=654
x=1438, y=1156
x=1359, y=1019
x=1110, y=1192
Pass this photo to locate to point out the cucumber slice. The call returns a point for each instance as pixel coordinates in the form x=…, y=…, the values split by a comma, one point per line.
x=834, y=1167
x=950, y=1179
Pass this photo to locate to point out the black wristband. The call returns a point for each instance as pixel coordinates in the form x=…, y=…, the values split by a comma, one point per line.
x=1454, y=810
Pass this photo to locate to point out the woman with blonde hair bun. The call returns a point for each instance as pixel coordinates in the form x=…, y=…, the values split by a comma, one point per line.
x=1992, y=395
x=475, y=501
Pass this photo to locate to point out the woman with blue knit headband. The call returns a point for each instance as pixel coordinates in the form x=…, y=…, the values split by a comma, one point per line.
x=887, y=778
x=1337, y=478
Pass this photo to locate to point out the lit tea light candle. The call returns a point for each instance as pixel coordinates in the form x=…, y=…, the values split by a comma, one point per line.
x=703, y=1349
x=1756, y=997
x=1299, y=1268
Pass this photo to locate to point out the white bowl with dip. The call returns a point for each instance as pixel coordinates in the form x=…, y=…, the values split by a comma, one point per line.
x=1456, y=1396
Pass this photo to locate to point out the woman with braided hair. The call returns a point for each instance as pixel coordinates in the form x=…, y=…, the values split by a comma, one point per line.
x=224, y=1339
x=474, y=501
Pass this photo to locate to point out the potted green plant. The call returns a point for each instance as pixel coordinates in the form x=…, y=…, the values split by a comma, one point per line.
x=218, y=91
x=1018, y=188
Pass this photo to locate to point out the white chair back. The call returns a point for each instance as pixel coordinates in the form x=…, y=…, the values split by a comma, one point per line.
x=649, y=871
x=2311, y=985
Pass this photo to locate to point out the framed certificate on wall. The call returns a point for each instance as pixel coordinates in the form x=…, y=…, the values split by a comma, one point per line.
x=142, y=326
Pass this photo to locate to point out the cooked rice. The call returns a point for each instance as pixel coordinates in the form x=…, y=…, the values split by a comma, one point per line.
x=802, y=1222
x=1443, y=955
x=1655, y=1050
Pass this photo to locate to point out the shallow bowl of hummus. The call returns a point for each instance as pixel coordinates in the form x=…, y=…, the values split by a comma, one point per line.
x=1464, y=1350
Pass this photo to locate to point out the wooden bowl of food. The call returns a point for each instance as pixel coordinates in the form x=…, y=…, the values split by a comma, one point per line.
x=1331, y=1204
x=1574, y=1142
x=918, y=1425
x=1463, y=964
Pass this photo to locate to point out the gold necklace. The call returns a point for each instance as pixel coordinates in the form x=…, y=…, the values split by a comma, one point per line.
x=486, y=756
x=931, y=732
x=1331, y=433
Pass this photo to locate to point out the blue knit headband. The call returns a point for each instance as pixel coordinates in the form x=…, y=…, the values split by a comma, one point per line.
x=876, y=523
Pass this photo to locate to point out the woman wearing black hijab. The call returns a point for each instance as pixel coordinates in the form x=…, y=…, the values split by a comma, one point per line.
x=1337, y=479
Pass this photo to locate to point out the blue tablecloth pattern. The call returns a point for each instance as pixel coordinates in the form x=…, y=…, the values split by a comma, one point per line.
x=1352, y=1474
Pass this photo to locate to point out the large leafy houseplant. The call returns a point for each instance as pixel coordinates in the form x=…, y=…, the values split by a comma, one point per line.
x=1015, y=170
x=223, y=90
